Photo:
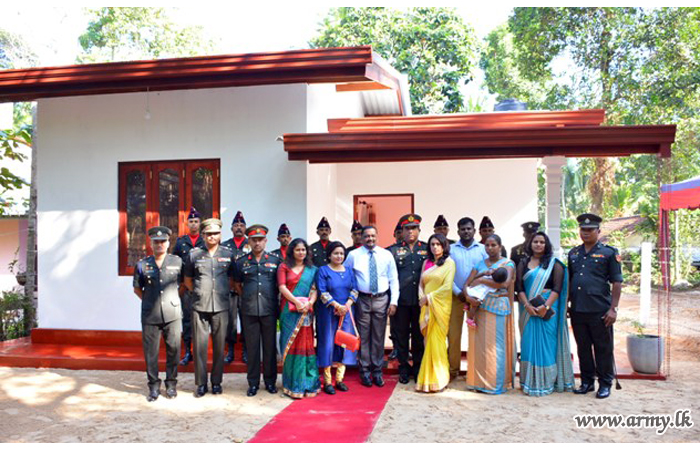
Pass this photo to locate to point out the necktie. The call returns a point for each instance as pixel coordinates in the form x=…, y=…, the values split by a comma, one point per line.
x=373, y=276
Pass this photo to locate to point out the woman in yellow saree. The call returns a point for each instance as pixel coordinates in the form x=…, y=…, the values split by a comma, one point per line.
x=435, y=294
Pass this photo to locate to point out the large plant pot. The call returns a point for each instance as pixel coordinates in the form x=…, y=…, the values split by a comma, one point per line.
x=645, y=353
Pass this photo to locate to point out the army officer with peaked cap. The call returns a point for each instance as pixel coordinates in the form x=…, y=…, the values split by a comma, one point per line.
x=593, y=268
x=209, y=274
x=156, y=284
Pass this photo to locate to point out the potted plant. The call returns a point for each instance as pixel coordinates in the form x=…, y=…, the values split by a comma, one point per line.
x=644, y=351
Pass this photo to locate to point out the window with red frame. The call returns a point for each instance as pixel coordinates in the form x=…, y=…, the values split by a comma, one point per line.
x=161, y=193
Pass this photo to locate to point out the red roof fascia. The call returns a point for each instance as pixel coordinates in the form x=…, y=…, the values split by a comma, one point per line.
x=425, y=145
x=327, y=65
x=514, y=119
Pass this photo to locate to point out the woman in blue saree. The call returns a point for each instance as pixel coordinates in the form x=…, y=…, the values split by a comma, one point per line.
x=545, y=355
x=296, y=280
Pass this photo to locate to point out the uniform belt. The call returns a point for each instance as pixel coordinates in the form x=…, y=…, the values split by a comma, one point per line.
x=381, y=294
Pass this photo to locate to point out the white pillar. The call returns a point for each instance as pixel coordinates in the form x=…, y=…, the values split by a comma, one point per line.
x=645, y=284
x=553, y=176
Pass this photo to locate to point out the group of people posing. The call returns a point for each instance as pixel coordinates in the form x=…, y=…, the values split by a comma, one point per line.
x=327, y=297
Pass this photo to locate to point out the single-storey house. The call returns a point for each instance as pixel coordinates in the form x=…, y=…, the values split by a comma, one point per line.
x=287, y=137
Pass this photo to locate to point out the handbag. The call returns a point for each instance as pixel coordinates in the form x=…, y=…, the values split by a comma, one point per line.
x=293, y=307
x=539, y=301
x=347, y=340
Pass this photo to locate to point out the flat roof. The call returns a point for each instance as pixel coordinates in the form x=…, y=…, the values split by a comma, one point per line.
x=323, y=65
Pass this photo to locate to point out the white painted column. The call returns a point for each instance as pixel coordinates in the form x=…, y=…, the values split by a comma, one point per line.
x=645, y=284
x=553, y=176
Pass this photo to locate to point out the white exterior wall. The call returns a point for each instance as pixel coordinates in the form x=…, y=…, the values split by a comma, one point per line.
x=82, y=140
x=322, y=200
x=453, y=188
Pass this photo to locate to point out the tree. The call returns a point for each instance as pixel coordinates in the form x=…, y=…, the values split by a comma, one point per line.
x=432, y=45
x=641, y=65
x=120, y=34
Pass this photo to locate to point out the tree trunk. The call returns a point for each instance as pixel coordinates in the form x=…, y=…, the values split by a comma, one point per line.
x=30, y=287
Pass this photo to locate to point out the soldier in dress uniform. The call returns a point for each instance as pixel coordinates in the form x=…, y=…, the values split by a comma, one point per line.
x=356, y=233
x=398, y=233
x=593, y=268
x=183, y=245
x=398, y=239
x=486, y=229
x=409, y=256
x=256, y=283
x=239, y=245
x=156, y=280
x=518, y=252
x=319, y=256
x=284, y=237
x=209, y=274
x=442, y=227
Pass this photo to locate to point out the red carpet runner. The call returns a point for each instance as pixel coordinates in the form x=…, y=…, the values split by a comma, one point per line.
x=343, y=417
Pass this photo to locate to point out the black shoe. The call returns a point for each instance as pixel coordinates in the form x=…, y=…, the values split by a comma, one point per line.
x=216, y=389
x=342, y=387
x=153, y=394
x=403, y=378
x=603, y=392
x=245, y=357
x=329, y=389
x=171, y=392
x=200, y=391
x=186, y=359
x=393, y=355
x=365, y=380
x=228, y=359
x=271, y=388
x=378, y=380
x=585, y=388
x=252, y=391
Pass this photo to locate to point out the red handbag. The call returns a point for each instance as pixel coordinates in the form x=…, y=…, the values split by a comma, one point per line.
x=293, y=307
x=347, y=340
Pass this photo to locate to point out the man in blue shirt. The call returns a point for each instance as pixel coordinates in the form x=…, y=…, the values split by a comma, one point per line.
x=375, y=271
x=466, y=253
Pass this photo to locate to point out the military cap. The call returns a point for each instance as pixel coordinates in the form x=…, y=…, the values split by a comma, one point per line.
x=212, y=225
x=440, y=222
x=238, y=218
x=323, y=223
x=589, y=220
x=194, y=214
x=398, y=226
x=408, y=220
x=486, y=223
x=356, y=226
x=256, y=231
x=284, y=229
x=159, y=233
x=531, y=227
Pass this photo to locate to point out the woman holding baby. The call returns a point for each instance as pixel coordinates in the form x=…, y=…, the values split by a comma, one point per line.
x=541, y=286
x=491, y=356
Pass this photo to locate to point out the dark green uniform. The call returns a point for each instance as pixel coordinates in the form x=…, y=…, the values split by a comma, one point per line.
x=278, y=253
x=183, y=245
x=517, y=253
x=319, y=255
x=234, y=314
x=351, y=248
x=161, y=313
x=259, y=310
x=211, y=275
x=409, y=263
x=590, y=276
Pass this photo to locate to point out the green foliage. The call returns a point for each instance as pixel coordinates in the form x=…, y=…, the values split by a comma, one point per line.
x=16, y=315
x=10, y=143
x=120, y=34
x=641, y=65
x=432, y=45
x=14, y=52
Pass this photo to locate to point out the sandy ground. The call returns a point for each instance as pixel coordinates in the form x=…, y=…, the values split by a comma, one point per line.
x=42, y=405
x=456, y=415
